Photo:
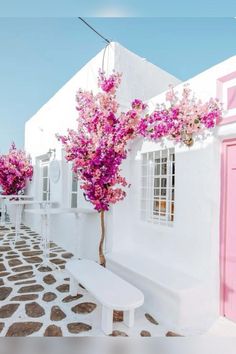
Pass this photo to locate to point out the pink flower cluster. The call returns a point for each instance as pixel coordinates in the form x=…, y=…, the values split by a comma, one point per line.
x=109, y=84
x=182, y=116
x=15, y=171
x=99, y=145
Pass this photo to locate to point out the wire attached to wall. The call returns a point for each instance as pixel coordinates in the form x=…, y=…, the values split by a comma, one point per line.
x=93, y=29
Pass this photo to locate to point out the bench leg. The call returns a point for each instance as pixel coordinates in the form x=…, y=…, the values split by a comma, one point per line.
x=129, y=318
x=74, y=286
x=107, y=320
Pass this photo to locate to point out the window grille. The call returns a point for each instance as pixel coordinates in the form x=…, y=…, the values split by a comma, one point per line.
x=158, y=186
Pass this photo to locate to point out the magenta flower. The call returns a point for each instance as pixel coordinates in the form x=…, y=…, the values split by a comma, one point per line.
x=138, y=105
x=15, y=171
x=181, y=118
x=99, y=145
x=109, y=84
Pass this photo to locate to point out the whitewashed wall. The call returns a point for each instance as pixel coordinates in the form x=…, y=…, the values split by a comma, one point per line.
x=140, y=79
x=191, y=246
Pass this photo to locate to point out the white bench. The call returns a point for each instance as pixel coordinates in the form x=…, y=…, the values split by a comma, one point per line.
x=170, y=295
x=110, y=290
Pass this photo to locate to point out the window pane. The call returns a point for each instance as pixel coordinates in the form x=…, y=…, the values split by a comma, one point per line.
x=156, y=182
x=163, y=168
x=45, y=171
x=173, y=181
x=157, y=169
x=163, y=192
x=173, y=168
x=74, y=184
x=163, y=206
x=74, y=200
x=163, y=182
x=156, y=205
x=173, y=194
x=45, y=185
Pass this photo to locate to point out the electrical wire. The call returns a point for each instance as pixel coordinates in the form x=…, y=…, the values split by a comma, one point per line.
x=93, y=29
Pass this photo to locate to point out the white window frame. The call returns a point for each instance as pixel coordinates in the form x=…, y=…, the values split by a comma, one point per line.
x=45, y=193
x=158, y=186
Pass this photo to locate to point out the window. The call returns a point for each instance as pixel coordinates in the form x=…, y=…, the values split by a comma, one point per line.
x=74, y=191
x=158, y=183
x=44, y=167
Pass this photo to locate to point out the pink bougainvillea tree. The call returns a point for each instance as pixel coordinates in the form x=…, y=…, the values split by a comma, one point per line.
x=15, y=171
x=182, y=116
x=100, y=143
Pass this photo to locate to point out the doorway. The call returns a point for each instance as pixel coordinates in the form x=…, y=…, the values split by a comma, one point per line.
x=228, y=230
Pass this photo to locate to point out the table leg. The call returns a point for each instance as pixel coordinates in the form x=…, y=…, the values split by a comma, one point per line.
x=129, y=318
x=45, y=237
x=3, y=213
x=74, y=286
x=107, y=320
x=3, y=221
x=18, y=221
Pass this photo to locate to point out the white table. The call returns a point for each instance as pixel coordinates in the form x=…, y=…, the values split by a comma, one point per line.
x=19, y=205
x=113, y=292
x=4, y=198
x=46, y=214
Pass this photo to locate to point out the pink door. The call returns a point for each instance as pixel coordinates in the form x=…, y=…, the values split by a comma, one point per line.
x=228, y=230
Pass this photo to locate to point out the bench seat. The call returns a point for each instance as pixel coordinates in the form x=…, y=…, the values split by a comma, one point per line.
x=109, y=289
x=171, y=295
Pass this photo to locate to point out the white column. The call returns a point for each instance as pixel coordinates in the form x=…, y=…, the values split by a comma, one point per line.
x=129, y=318
x=74, y=286
x=107, y=320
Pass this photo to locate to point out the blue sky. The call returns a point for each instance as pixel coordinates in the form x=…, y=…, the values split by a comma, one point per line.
x=122, y=8
x=38, y=55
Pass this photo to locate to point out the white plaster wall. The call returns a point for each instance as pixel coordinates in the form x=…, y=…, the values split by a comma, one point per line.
x=140, y=79
x=192, y=245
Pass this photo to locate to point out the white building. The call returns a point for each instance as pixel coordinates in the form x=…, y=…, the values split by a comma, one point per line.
x=174, y=253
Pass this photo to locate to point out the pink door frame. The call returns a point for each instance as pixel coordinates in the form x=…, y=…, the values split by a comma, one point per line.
x=225, y=144
x=220, y=82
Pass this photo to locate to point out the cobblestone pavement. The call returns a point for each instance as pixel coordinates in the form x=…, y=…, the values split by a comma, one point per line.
x=35, y=301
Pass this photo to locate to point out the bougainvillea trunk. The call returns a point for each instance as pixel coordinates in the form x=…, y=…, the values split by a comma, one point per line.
x=102, y=259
